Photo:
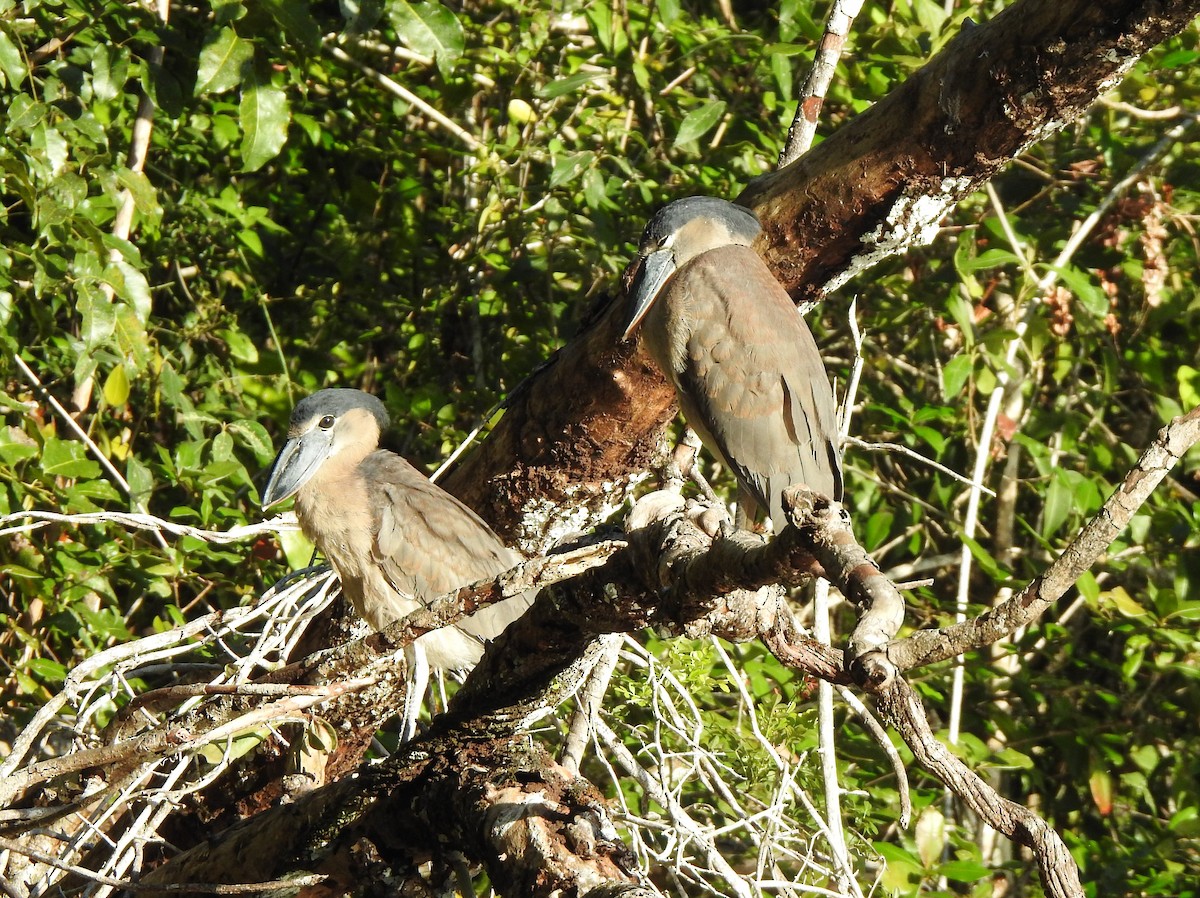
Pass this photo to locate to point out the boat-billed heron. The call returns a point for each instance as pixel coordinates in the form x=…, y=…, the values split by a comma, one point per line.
x=395, y=540
x=747, y=371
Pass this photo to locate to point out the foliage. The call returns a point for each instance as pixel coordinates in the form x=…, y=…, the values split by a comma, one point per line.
x=298, y=225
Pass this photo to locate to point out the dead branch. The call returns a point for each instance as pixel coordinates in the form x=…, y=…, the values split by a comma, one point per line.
x=930, y=646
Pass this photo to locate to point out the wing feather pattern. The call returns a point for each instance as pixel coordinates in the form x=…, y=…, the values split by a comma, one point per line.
x=750, y=375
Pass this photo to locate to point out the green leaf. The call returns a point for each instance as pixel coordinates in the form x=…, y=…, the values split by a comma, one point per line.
x=983, y=558
x=110, y=69
x=240, y=345
x=568, y=168
x=429, y=29
x=296, y=19
x=48, y=671
x=1010, y=757
x=900, y=866
x=700, y=121
x=265, y=115
x=1124, y=603
x=131, y=338
x=255, y=437
x=1084, y=287
x=131, y=285
x=12, y=63
x=1057, y=507
x=560, y=86
x=955, y=375
x=116, y=387
x=1189, y=386
x=224, y=61
x=936, y=441
x=139, y=478
x=234, y=748
x=65, y=458
x=145, y=197
x=992, y=258
x=296, y=549
x=964, y=871
x=98, y=318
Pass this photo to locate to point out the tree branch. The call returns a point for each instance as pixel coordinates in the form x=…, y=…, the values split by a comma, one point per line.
x=930, y=646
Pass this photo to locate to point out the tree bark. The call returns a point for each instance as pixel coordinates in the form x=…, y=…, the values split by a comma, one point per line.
x=577, y=431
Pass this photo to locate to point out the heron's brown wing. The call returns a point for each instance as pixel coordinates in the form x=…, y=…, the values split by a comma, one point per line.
x=428, y=543
x=753, y=377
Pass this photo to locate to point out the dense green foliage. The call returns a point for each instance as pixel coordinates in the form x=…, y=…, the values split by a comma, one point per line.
x=297, y=225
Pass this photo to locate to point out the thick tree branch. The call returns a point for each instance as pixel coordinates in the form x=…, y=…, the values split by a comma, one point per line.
x=901, y=708
x=882, y=183
x=563, y=452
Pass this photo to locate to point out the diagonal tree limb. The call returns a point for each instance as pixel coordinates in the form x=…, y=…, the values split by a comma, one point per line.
x=930, y=646
x=563, y=452
x=901, y=707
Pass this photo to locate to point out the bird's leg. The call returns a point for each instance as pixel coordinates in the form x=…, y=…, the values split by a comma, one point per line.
x=414, y=695
x=686, y=451
x=685, y=456
x=747, y=511
x=713, y=516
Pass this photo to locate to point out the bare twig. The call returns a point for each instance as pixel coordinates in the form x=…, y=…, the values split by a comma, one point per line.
x=930, y=646
x=916, y=456
x=212, y=888
x=407, y=96
x=284, y=523
x=590, y=700
x=812, y=94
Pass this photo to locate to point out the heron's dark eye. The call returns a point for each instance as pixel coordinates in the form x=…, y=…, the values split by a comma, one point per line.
x=326, y=422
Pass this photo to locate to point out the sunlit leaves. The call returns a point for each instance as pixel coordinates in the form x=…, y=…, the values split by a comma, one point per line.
x=224, y=62
x=12, y=63
x=265, y=116
x=430, y=29
x=297, y=21
x=699, y=122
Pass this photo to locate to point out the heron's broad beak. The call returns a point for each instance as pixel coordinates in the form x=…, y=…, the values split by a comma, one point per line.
x=653, y=271
x=297, y=461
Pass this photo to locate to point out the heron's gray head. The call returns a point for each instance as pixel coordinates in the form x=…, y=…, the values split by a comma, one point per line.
x=677, y=233
x=326, y=425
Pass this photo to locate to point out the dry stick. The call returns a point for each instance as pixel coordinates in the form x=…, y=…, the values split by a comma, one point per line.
x=408, y=97
x=590, y=699
x=822, y=631
x=284, y=523
x=213, y=888
x=169, y=740
x=931, y=646
x=901, y=449
x=688, y=828
x=812, y=94
x=36, y=383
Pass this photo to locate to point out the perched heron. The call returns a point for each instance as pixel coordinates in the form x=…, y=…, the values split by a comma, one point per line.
x=747, y=370
x=395, y=540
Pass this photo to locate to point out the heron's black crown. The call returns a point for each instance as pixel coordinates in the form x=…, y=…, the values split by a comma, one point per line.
x=337, y=402
x=737, y=220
